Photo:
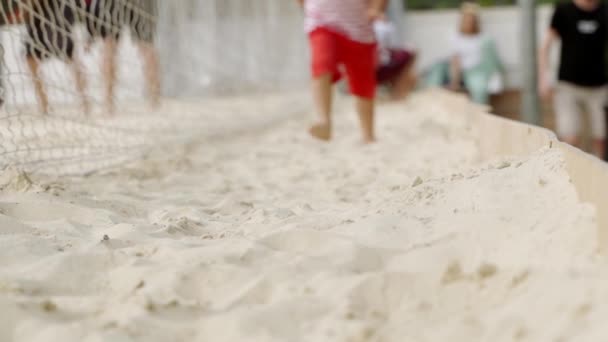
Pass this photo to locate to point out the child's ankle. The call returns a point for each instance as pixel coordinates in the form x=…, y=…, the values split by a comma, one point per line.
x=325, y=123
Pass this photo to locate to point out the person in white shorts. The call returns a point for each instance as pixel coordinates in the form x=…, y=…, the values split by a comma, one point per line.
x=582, y=81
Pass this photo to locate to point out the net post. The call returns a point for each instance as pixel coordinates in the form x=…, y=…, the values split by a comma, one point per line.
x=530, y=106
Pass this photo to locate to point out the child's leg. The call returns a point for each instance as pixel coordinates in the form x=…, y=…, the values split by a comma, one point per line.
x=595, y=100
x=143, y=30
x=151, y=71
x=323, y=44
x=322, y=93
x=360, y=63
x=365, y=109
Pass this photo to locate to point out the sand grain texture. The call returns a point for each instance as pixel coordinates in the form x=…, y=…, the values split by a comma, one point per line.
x=255, y=232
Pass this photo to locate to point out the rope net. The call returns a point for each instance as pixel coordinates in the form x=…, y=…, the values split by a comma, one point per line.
x=87, y=85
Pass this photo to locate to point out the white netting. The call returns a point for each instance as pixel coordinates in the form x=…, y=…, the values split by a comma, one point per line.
x=206, y=48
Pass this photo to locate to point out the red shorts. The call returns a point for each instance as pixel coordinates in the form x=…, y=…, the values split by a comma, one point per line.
x=331, y=50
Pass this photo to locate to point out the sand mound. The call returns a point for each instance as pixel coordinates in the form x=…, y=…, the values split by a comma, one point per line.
x=271, y=236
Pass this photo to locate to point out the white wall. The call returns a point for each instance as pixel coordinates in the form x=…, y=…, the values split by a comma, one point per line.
x=203, y=53
x=224, y=46
x=429, y=31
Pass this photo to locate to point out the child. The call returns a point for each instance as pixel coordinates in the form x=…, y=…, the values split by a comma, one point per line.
x=341, y=34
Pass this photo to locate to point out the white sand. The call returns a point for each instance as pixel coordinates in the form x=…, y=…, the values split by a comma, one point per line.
x=254, y=232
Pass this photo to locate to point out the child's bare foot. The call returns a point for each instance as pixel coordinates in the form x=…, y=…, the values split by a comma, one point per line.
x=321, y=131
x=369, y=140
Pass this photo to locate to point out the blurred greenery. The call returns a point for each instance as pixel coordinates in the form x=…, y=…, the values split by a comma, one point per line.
x=442, y=4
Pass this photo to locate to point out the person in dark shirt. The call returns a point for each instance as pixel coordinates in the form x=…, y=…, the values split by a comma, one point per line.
x=582, y=81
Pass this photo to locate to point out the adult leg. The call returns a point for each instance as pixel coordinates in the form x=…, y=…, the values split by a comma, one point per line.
x=103, y=20
x=81, y=84
x=455, y=74
x=605, y=157
x=596, y=100
x=43, y=101
x=109, y=71
x=64, y=49
x=567, y=113
x=2, y=86
x=143, y=29
x=34, y=47
x=437, y=76
x=151, y=65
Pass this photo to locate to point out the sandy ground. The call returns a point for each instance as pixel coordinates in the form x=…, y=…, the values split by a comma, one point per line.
x=254, y=232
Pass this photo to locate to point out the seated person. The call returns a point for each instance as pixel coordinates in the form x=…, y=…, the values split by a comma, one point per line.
x=473, y=65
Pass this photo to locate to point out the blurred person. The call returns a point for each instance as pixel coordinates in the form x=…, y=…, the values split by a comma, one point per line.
x=10, y=15
x=10, y=11
x=105, y=19
x=341, y=34
x=473, y=65
x=581, y=27
x=395, y=68
x=49, y=25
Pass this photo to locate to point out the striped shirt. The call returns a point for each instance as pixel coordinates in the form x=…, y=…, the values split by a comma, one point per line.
x=348, y=17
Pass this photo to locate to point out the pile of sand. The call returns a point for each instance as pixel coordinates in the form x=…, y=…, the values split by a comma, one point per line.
x=255, y=232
